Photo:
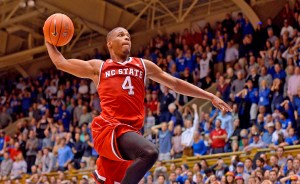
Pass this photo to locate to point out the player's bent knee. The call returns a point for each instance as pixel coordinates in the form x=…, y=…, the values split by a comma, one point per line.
x=152, y=153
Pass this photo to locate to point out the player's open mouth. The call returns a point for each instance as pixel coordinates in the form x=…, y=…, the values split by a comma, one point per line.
x=126, y=43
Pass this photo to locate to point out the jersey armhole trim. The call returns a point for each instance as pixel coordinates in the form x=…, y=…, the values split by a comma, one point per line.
x=145, y=76
x=100, y=74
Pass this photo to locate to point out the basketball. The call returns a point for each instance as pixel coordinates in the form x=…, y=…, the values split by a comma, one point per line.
x=58, y=29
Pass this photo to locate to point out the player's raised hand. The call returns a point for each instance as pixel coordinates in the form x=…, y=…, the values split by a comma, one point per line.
x=220, y=104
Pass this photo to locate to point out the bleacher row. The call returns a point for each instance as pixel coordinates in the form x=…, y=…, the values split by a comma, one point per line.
x=190, y=161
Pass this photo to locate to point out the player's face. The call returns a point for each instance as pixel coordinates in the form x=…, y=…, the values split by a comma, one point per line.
x=120, y=42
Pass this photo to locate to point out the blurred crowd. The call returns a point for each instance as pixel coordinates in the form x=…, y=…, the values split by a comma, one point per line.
x=274, y=169
x=255, y=68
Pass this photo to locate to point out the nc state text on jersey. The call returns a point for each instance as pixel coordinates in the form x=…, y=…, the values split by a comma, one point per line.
x=124, y=71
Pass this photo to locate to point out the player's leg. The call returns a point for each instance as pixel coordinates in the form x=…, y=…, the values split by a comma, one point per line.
x=133, y=146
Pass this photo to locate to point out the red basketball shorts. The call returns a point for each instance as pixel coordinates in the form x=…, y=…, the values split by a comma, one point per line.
x=111, y=167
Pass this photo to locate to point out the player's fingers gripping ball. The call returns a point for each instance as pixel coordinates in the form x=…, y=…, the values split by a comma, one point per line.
x=58, y=29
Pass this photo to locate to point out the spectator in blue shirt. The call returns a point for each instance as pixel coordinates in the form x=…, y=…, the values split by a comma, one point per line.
x=1, y=139
x=279, y=73
x=287, y=106
x=240, y=20
x=181, y=62
x=285, y=121
x=296, y=104
x=164, y=133
x=226, y=122
x=252, y=97
x=199, y=146
x=292, y=139
x=189, y=61
x=65, y=116
x=64, y=156
x=267, y=136
x=264, y=94
x=252, y=93
x=247, y=29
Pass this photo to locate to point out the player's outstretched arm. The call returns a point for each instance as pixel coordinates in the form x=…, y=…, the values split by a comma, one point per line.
x=84, y=69
x=182, y=87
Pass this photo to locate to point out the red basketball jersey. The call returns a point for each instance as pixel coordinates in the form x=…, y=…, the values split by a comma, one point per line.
x=121, y=90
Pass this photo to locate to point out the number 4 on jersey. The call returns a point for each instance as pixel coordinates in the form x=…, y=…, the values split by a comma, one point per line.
x=128, y=86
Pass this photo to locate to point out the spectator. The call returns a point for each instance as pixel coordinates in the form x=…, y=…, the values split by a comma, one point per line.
x=199, y=146
x=227, y=123
x=87, y=148
x=267, y=136
x=296, y=102
x=77, y=150
x=188, y=134
x=252, y=97
x=5, y=118
x=231, y=55
x=240, y=171
x=204, y=64
x=48, y=160
x=282, y=160
x=236, y=130
x=286, y=28
x=65, y=155
x=165, y=139
x=19, y=167
x=177, y=148
x=265, y=76
x=48, y=140
x=6, y=166
x=271, y=37
x=165, y=101
x=248, y=166
x=77, y=111
x=223, y=88
x=83, y=165
x=294, y=83
x=159, y=170
x=31, y=147
x=257, y=142
x=220, y=168
x=218, y=137
x=277, y=94
x=83, y=88
x=176, y=117
x=14, y=150
x=264, y=95
x=238, y=84
x=85, y=116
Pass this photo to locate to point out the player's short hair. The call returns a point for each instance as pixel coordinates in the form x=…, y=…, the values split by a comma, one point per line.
x=110, y=33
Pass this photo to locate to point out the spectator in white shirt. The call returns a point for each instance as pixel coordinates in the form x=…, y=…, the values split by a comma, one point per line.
x=204, y=65
x=257, y=142
x=279, y=130
x=187, y=135
x=51, y=90
x=83, y=88
x=287, y=28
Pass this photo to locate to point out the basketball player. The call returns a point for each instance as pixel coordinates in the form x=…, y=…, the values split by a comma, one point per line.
x=124, y=155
